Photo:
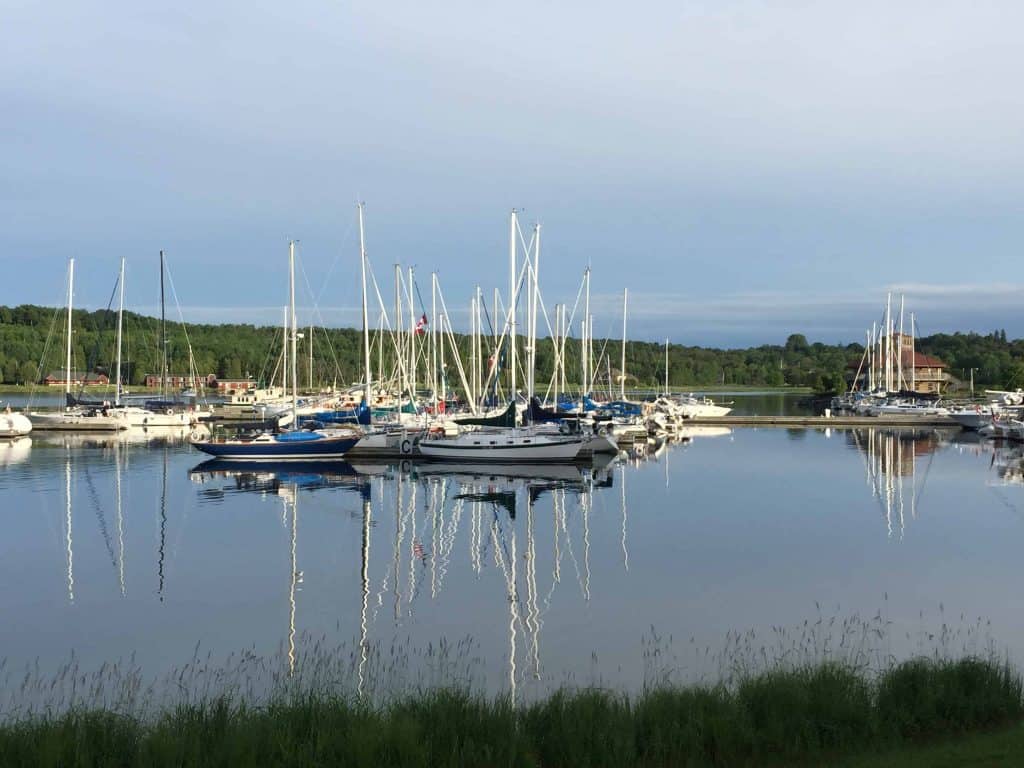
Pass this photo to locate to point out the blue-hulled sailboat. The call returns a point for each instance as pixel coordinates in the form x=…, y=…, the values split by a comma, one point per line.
x=298, y=445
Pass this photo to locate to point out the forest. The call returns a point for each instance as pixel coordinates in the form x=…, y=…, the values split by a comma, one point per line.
x=32, y=344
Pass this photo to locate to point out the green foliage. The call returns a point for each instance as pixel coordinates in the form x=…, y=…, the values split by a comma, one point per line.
x=781, y=716
x=237, y=350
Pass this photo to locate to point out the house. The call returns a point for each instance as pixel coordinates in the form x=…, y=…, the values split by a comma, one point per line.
x=180, y=381
x=231, y=386
x=80, y=378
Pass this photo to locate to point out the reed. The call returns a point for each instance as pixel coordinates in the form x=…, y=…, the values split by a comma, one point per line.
x=786, y=714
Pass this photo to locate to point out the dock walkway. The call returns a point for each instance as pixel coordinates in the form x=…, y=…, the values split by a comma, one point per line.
x=822, y=421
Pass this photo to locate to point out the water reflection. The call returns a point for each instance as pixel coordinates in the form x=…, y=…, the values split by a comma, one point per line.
x=539, y=565
x=891, y=457
x=430, y=503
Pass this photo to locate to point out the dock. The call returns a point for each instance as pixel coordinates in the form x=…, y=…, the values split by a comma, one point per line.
x=823, y=421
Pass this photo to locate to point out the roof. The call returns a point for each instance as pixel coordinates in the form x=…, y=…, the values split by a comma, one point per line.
x=61, y=375
x=921, y=360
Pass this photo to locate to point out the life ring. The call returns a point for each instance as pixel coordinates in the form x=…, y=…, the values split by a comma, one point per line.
x=169, y=411
x=406, y=446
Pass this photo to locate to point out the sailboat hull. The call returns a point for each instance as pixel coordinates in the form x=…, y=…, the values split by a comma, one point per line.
x=259, y=449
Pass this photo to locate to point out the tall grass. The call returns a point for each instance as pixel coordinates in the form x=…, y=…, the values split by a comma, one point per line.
x=776, y=716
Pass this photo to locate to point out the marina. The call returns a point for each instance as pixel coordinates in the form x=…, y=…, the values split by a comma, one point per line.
x=134, y=550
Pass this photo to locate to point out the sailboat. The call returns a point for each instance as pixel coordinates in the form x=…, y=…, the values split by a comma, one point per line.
x=133, y=415
x=87, y=418
x=297, y=444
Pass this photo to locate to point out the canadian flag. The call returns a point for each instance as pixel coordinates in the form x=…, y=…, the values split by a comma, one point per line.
x=421, y=324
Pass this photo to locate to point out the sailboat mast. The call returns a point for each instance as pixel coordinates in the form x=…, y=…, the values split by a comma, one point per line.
x=366, y=323
x=554, y=339
x=534, y=301
x=913, y=355
x=120, y=322
x=67, y=370
x=284, y=353
x=666, y=366
x=412, y=338
x=899, y=351
x=295, y=333
x=512, y=301
x=588, y=332
x=163, y=333
x=433, y=338
x=622, y=370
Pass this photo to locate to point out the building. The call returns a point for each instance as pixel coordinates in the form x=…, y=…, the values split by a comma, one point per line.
x=180, y=381
x=79, y=378
x=231, y=386
x=922, y=373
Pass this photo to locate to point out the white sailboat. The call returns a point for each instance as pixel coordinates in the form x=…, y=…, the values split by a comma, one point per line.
x=84, y=418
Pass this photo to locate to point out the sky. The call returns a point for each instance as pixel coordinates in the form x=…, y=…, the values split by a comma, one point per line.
x=746, y=169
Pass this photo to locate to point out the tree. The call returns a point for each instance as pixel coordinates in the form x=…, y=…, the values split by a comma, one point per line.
x=27, y=373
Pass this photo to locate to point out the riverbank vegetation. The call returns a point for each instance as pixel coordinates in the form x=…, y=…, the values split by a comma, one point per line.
x=28, y=351
x=825, y=711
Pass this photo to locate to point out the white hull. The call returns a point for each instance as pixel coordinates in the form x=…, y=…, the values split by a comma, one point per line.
x=483, y=446
x=14, y=425
x=140, y=417
x=703, y=411
x=76, y=422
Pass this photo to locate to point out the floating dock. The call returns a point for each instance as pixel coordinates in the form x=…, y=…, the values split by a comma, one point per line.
x=823, y=421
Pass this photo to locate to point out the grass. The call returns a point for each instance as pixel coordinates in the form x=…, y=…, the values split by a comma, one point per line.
x=821, y=713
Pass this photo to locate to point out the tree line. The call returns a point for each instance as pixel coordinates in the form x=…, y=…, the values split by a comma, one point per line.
x=32, y=344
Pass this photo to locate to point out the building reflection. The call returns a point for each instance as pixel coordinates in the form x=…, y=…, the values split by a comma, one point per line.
x=897, y=462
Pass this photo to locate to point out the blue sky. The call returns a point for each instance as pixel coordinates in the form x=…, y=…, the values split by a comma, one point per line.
x=747, y=169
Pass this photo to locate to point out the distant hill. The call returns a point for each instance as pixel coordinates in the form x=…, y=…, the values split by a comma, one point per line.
x=32, y=343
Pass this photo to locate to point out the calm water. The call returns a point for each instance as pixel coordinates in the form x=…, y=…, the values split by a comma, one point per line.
x=125, y=545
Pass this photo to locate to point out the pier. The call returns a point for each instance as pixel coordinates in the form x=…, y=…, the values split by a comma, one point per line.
x=824, y=421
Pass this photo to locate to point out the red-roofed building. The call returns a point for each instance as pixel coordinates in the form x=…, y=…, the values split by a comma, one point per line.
x=921, y=373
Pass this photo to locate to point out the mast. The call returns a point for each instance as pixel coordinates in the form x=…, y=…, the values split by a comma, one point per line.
x=588, y=331
x=433, y=338
x=534, y=301
x=284, y=353
x=295, y=334
x=120, y=321
x=366, y=323
x=554, y=339
x=622, y=371
x=310, y=357
x=913, y=355
x=666, y=367
x=512, y=301
x=412, y=339
x=888, y=343
x=67, y=370
x=899, y=353
x=163, y=334
x=397, y=333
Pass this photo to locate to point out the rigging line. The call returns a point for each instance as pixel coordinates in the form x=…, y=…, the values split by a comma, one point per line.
x=337, y=257
x=95, y=498
x=42, y=359
x=93, y=357
x=319, y=315
x=924, y=482
x=193, y=370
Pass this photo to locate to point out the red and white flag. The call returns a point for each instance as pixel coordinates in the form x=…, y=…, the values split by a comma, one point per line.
x=421, y=324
